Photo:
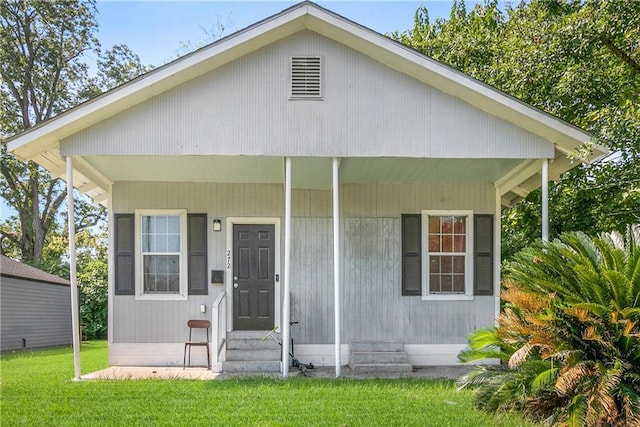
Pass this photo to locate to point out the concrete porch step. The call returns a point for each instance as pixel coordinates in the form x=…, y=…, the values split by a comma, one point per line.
x=373, y=357
x=248, y=352
x=378, y=357
x=251, y=335
x=376, y=368
x=257, y=354
x=251, y=366
x=251, y=340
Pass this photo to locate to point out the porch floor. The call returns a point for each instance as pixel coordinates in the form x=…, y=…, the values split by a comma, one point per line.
x=175, y=373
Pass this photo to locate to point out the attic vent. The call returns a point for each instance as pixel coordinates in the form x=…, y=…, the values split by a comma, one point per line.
x=305, y=77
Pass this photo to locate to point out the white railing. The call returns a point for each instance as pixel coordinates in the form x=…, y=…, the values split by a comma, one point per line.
x=219, y=338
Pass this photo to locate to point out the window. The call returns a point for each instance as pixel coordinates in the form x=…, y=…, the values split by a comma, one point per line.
x=447, y=254
x=161, y=252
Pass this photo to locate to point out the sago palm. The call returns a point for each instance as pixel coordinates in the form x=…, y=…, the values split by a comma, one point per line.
x=569, y=336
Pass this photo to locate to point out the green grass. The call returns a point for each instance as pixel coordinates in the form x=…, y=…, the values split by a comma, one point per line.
x=37, y=391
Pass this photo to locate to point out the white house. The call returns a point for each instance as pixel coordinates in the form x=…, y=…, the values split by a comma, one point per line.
x=303, y=169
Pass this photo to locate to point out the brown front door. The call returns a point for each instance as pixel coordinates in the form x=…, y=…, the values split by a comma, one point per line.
x=253, y=276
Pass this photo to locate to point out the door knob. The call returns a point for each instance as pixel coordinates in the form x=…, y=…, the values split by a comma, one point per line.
x=235, y=285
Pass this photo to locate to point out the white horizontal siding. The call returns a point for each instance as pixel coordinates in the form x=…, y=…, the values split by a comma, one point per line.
x=39, y=313
x=368, y=109
x=373, y=307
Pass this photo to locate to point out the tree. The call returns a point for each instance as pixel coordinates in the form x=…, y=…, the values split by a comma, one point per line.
x=115, y=66
x=577, y=60
x=41, y=45
x=209, y=35
x=43, y=73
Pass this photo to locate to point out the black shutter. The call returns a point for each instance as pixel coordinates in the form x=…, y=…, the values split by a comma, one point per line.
x=197, y=253
x=124, y=226
x=483, y=255
x=411, y=254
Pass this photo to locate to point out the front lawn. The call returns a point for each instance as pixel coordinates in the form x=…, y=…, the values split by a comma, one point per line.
x=37, y=391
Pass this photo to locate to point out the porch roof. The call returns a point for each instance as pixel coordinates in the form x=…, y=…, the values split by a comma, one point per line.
x=94, y=176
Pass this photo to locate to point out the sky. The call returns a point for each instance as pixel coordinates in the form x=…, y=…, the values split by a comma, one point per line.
x=155, y=29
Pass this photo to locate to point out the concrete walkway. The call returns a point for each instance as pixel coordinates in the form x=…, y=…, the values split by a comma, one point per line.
x=177, y=373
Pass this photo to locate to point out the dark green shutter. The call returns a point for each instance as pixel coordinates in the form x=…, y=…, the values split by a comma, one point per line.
x=411, y=254
x=483, y=255
x=124, y=227
x=197, y=253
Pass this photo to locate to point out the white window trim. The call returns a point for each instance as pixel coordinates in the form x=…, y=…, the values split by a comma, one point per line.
x=468, y=274
x=182, y=294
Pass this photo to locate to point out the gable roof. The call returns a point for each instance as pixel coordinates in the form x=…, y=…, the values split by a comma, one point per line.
x=13, y=268
x=41, y=143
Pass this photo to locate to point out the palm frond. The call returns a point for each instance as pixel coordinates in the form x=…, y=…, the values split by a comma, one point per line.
x=571, y=377
x=520, y=356
x=545, y=379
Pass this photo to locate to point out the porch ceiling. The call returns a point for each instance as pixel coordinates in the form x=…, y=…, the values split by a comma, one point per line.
x=309, y=173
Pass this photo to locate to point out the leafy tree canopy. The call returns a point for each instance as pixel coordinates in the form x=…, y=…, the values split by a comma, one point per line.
x=43, y=73
x=579, y=61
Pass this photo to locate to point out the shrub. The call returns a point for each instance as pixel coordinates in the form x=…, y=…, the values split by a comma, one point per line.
x=569, y=335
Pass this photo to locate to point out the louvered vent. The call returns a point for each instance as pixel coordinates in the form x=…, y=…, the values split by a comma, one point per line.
x=306, y=77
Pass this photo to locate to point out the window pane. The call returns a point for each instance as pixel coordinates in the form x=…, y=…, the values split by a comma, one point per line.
x=173, y=224
x=446, y=264
x=447, y=243
x=458, y=264
x=458, y=283
x=459, y=226
x=149, y=283
x=446, y=284
x=159, y=243
x=146, y=224
x=161, y=274
x=173, y=265
x=434, y=224
x=160, y=224
x=434, y=283
x=173, y=243
x=146, y=242
x=173, y=284
x=434, y=264
x=459, y=243
x=434, y=243
x=447, y=224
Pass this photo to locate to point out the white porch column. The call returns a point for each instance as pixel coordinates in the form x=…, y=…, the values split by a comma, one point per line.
x=75, y=312
x=545, y=200
x=336, y=261
x=286, y=301
x=497, y=252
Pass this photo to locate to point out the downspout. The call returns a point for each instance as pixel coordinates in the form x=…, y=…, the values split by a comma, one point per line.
x=545, y=200
x=286, y=301
x=336, y=261
x=75, y=316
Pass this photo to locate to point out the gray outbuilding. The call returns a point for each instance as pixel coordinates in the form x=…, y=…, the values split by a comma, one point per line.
x=35, y=307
